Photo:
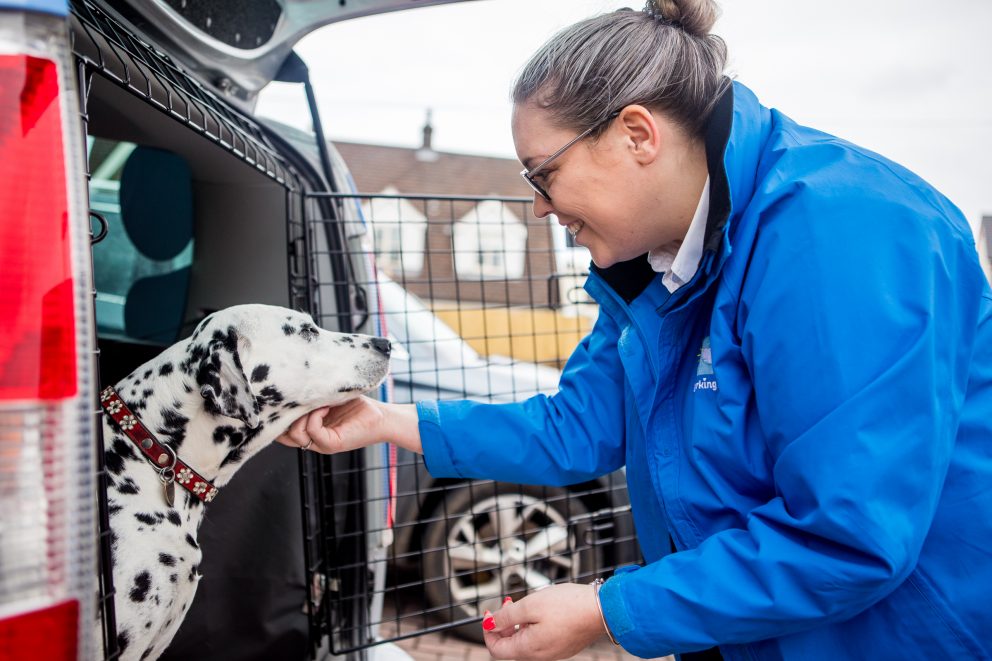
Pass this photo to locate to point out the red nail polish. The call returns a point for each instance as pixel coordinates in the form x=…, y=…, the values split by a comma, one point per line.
x=507, y=600
x=488, y=622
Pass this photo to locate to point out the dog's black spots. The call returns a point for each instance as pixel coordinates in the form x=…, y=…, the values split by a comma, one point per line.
x=122, y=641
x=228, y=434
x=228, y=339
x=113, y=508
x=275, y=415
x=174, y=518
x=147, y=374
x=187, y=387
x=191, y=541
x=365, y=345
x=119, y=451
x=128, y=486
x=349, y=340
x=147, y=392
x=148, y=625
x=173, y=427
x=147, y=519
x=134, y=391
x=233, y=456
x=147, y=653
x=287, y=329
x=165, y=369
x=157, y=600
x=309, y=332
x=260, y=373
x=142, y=582
x=306, y=364
x=270, y=395
x=192, y=573
x=167, y=560
x=291, y=405
x=173, y=578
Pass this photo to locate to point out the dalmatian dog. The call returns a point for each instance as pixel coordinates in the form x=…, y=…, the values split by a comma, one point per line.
x=214, y=400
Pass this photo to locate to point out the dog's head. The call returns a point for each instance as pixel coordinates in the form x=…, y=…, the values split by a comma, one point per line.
x=252, y=361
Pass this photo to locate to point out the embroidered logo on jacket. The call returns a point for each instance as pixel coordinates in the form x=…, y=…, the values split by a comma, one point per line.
x=704, y=370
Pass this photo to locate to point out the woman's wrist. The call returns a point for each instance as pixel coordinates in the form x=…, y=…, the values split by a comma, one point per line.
x=402, y=426
x=596, y=585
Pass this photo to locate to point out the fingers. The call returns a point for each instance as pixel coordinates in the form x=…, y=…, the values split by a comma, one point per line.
x=505, y=631
x=553, y=623
x=305, y=429
x=315, y=429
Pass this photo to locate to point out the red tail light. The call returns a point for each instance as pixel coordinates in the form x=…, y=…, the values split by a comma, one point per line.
x=37, y=346
x=49, y=633
x=47, y=392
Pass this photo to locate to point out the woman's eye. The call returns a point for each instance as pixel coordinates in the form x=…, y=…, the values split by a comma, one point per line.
x=543, y=177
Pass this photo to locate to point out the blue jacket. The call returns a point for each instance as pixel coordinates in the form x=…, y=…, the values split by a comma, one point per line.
x=809, y=419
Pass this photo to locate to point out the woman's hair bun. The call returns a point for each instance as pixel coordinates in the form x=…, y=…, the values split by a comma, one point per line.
x=696, y=17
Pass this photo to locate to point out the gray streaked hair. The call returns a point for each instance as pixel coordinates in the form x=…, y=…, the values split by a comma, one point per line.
x=663, y=58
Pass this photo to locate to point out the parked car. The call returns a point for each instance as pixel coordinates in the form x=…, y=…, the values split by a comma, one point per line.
x=470, y=543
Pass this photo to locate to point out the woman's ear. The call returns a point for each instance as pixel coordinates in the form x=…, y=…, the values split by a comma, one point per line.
x=642, y=133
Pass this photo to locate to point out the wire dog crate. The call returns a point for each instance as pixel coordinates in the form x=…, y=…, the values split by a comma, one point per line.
x=482, y=301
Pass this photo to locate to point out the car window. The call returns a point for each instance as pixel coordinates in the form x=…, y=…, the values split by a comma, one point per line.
x=117, y=262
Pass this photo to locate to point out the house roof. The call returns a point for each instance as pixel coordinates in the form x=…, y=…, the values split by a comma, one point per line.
x=376, y=168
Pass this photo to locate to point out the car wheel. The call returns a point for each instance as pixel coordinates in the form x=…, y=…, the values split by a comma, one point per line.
x=486, y=541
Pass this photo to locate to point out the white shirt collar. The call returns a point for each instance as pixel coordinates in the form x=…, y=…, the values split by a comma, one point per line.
x=679, y=260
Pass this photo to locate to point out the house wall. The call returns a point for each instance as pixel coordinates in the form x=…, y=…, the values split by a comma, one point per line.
x=438, y=279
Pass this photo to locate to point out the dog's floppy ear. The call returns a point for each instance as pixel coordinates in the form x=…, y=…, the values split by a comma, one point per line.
x=222, y=380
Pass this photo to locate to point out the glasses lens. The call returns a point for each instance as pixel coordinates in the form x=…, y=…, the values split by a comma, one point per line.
x=535, y=186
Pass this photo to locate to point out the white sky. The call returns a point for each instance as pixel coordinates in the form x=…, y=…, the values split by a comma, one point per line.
x=911, y=79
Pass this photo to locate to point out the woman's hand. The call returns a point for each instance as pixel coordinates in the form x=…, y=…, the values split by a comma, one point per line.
x=355, y=424
x=557, y=622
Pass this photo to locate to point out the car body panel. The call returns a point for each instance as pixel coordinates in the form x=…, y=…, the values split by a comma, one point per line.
x=240, y=61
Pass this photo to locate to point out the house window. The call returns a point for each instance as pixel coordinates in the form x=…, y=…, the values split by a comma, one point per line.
x=400, y=231
x=490, y=243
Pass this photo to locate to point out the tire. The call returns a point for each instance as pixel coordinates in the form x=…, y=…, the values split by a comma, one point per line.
x=473, y=558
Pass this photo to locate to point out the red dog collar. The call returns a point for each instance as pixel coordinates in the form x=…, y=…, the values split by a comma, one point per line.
x=170, y=468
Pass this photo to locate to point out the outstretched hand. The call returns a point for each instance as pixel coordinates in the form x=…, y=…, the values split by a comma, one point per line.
x=355, y=424
x=557, y=622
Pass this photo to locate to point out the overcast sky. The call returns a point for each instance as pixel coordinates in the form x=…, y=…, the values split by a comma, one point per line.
x=908, y=78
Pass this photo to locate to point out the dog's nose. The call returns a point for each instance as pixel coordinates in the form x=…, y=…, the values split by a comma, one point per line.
x=381, y=345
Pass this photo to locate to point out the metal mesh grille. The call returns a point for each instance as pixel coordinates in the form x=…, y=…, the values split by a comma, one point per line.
x=106, y=46
x=483, y=301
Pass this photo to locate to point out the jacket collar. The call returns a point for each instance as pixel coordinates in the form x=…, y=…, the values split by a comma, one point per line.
x=733, y=137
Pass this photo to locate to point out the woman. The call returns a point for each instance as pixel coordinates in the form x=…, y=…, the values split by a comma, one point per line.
x=793, y=359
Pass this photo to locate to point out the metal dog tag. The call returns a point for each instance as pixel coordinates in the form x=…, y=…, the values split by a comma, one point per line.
x=170, y=492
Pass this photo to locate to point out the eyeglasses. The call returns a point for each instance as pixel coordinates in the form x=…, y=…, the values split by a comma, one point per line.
x=529, y=175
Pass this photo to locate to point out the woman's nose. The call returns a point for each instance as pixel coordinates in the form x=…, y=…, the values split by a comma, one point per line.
x=542, y=208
